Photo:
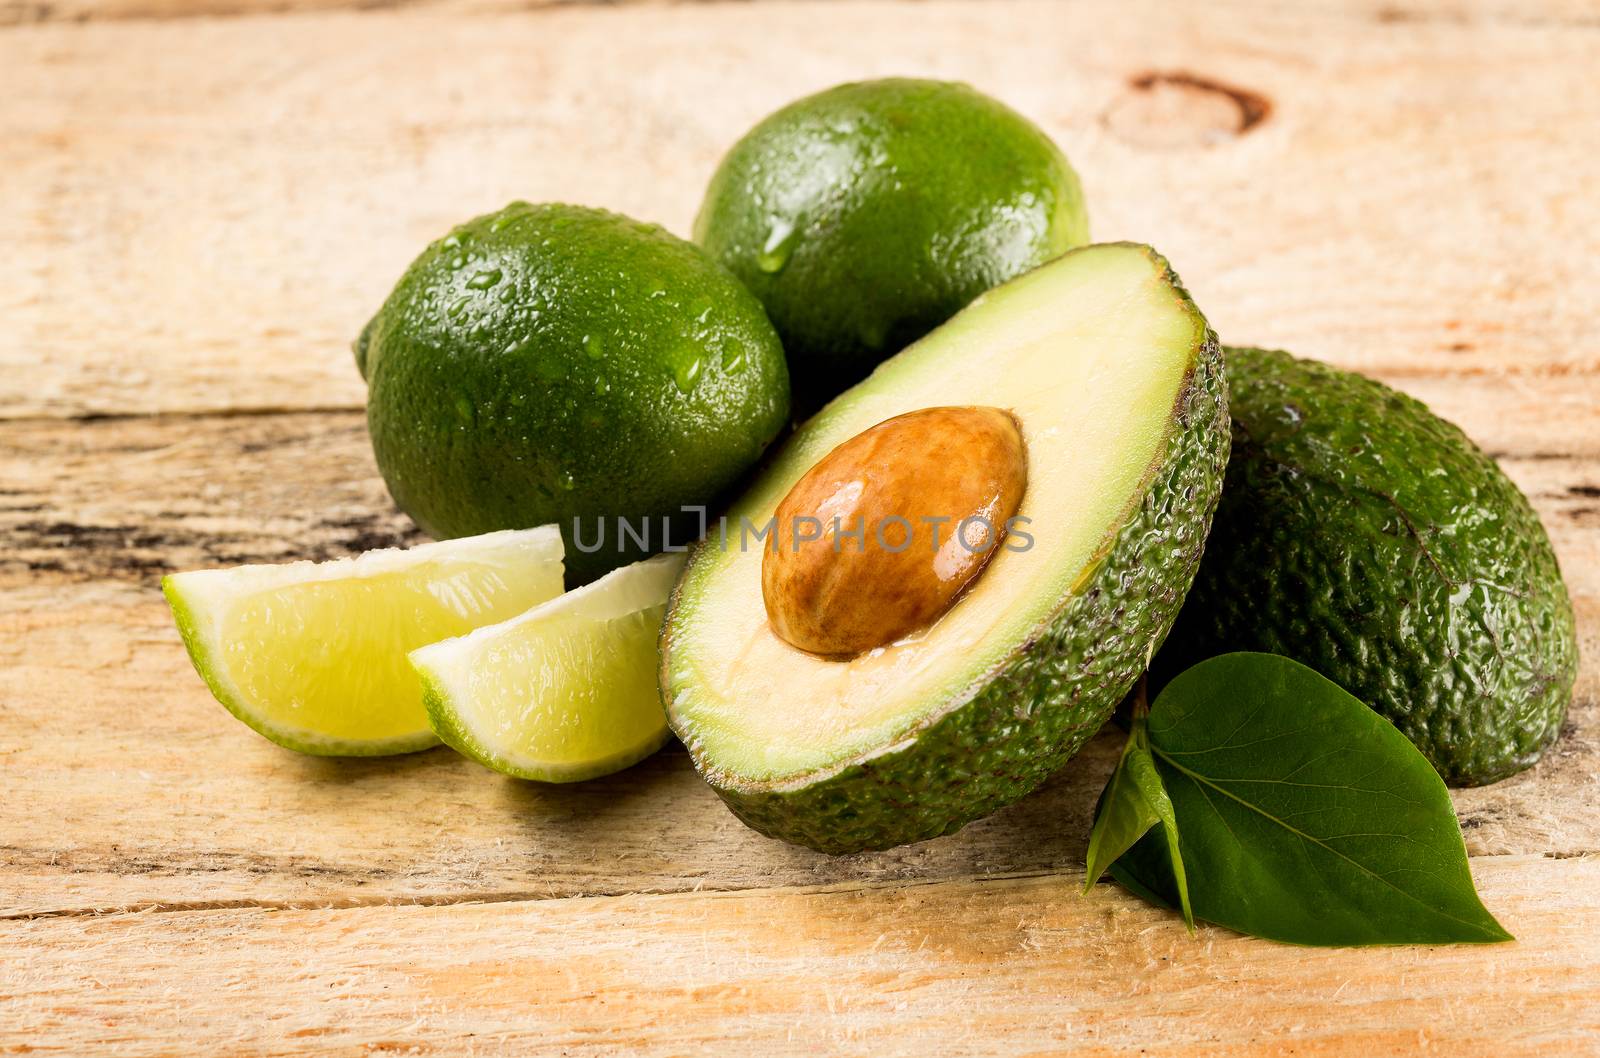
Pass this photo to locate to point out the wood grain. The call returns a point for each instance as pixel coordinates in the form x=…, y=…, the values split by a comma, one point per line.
x=192, y=235
x=1574, y=13
x=999, y=967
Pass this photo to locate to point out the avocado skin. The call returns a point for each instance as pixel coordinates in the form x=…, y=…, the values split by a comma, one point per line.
x=1364, y=536
x=1028, y=718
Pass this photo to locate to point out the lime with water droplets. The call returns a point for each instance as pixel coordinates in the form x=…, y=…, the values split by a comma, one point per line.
x=866, y=215
x=488, y=408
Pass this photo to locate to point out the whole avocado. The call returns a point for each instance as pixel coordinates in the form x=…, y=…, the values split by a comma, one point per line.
x=868, y=214
x=1364, y=536
x=554, y=363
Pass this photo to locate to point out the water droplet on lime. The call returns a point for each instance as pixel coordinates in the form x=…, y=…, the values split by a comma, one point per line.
x=593, y=346
x=687, y=365
x=484, y=280
x=779, y=245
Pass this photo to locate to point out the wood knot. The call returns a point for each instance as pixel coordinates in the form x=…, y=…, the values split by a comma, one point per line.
x=1177, y=109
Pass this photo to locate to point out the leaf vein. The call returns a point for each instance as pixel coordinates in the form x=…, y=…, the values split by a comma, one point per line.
x=1203, y=781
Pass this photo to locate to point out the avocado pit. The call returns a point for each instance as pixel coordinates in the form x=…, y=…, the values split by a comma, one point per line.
x=879, y=538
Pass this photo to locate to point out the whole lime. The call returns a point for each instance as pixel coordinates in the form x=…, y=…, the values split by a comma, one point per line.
x=868, y=214
x=553, y=363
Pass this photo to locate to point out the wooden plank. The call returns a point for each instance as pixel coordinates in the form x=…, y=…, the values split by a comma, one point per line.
x=999, y=967
x=129, y=499
x=1575, y=13
x=1390, y=192
x=127, y=786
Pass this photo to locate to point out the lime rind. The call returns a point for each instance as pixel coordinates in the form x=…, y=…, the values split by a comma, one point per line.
x=617, y=617
x=199, y=598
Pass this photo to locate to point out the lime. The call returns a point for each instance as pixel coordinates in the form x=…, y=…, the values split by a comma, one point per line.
x=313, y=654
x=559, y=364
x=866, y=215
x=567, y=691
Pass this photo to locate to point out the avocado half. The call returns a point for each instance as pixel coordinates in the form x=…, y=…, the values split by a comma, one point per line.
x=1365, y=536
x=1117, y=384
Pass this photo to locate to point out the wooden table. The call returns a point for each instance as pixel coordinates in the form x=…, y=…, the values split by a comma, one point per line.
x=199, y=212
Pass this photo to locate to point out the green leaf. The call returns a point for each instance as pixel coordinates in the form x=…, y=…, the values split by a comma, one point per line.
x=1148, y=778
x=1133, y=801
x=1307, y=817
x=1124, y=813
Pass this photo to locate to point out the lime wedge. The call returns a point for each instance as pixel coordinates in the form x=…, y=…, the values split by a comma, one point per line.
x=567, y=691
x=313, y=654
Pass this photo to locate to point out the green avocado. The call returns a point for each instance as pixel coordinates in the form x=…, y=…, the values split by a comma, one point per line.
x=1364, y=536
x=559, y=364
x=1116, y=384
x=866, y=215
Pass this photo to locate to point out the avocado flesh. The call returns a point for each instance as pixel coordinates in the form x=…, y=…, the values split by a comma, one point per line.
x=1117, y=384
x=1364, y=536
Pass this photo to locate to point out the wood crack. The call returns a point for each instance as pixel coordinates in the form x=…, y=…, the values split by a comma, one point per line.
x=1071, y=878
x=1071, y=875
x=34, y=12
